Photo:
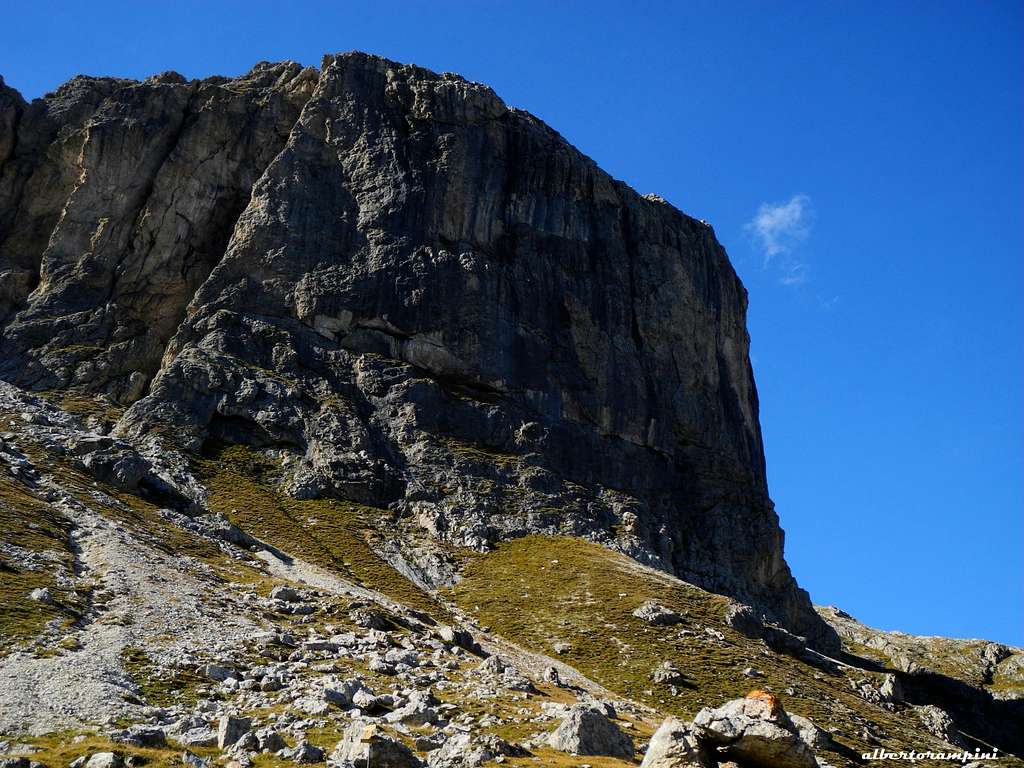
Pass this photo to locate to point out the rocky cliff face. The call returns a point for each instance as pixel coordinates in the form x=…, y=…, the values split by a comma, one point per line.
x=408, y=293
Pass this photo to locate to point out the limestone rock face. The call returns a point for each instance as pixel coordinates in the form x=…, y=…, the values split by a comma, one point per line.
x=117, y=198
x=424, y=299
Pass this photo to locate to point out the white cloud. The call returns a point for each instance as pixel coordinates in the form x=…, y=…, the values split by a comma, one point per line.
x=777, y=229
x=793, y=273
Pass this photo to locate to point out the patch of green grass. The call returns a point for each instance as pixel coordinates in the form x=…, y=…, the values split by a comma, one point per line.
x=28, y=522
x=161, y=688
x=330, y=533
x=477, y=453
x=20, y=618
x=85, y=405
x=60, y=749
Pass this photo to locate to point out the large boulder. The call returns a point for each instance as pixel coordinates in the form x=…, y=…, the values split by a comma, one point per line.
x=674, y=745
x=463, y=750
x=363, y=744
x=891, y=690
x=417, y=710
x=743, y=619
x=586, y=731
x=668, y=673
x=303, y=753
x=140, y=736
x=231, y=728
x=813, y=736
x=657, y=614
x=755, y=731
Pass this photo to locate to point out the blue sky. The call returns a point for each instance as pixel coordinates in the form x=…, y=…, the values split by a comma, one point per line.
x=862, y=162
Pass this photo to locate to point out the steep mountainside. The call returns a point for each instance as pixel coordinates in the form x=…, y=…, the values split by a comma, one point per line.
x=351, y=398
x=379, y=271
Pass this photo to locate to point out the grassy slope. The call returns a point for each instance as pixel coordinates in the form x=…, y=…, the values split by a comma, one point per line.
x=332, y=534
x=27, y=522
x=537, y=591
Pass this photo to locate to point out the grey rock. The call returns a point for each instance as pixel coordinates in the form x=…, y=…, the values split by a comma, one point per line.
x=674, y=745
x=231, y=728
x=744, y=619
x=497, y=670
x=194, y=761
x=104, y=760
x=363, y=744
x=304, y=753
x=140, y=736
x=247, y=742
x=41, y=595
x=668, y=673
x=464, y=750
x=586, y=731
x=811, y=734
x=219, y=672
x=783, y=641
x=269, y=740
x=287, y=594
x=370, y=618
x=418, y=710
x=198, y=737
x=655, y=613
x=458, y=637
x=365, y=699
x=754, y=730
x=342, y=692
x=125, y=265
x=939, y=723
x=994, y=653
x=891, y=690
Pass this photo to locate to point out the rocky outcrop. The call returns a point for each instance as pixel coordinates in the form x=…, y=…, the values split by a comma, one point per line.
x=587, y=731
x=674, y=745
x=959, y=688
x=755, y=731
x=363, y=744
x=420, y=298
x=118, y=199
